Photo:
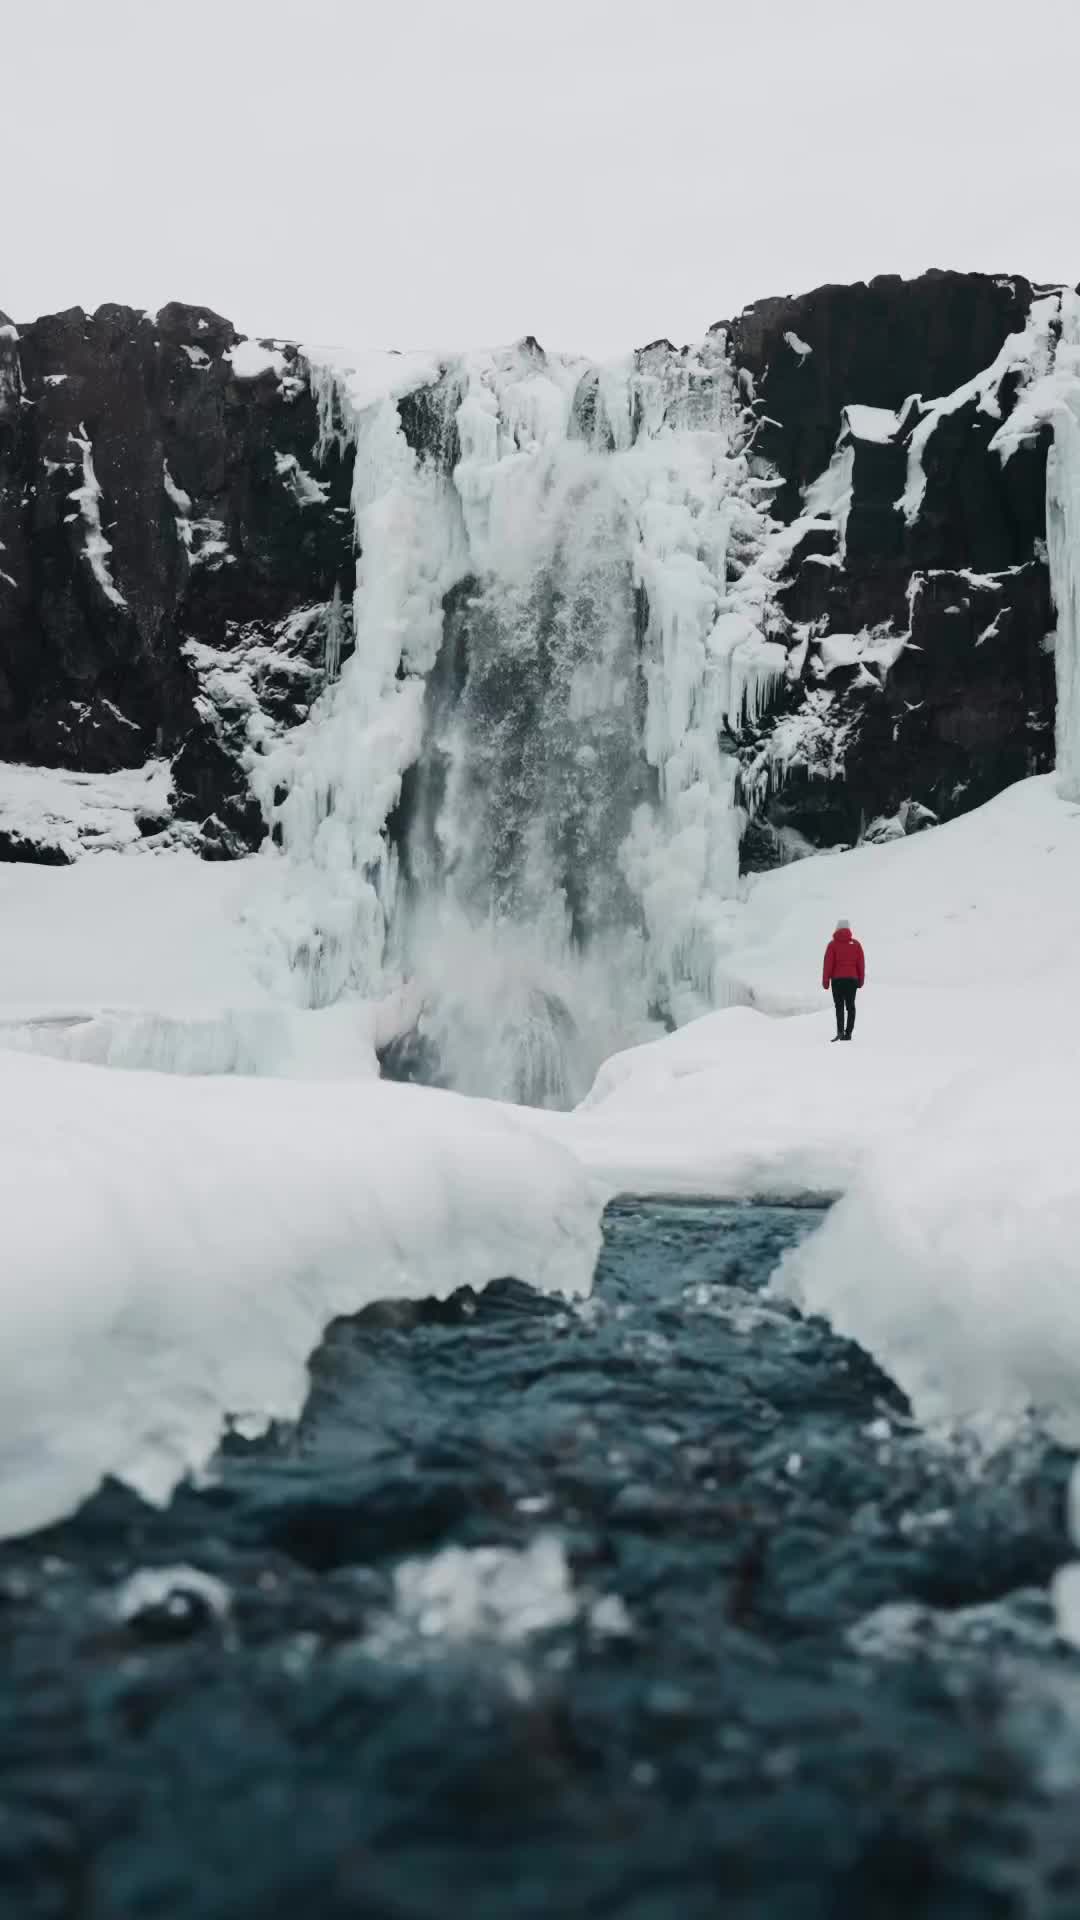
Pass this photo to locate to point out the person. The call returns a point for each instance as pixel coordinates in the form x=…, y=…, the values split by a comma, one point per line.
x=845, y=972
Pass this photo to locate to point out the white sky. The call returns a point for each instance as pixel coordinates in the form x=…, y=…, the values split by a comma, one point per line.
x=596, y=172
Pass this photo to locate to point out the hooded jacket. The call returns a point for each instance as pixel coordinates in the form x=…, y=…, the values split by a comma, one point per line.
x=844, y=959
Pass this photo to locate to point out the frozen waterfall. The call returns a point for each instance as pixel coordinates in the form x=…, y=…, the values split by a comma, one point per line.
x=518, y=799
x=1051, y=397
x=1063, y=544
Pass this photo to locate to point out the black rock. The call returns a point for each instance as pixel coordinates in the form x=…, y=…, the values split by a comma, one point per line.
x=135, y=430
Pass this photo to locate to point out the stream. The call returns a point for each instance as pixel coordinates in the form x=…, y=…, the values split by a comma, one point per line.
x=656, y=1606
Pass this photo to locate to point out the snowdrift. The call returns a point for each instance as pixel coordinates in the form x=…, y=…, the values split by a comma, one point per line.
x=172, y=1249
x=157, y=961
x=955, y=1259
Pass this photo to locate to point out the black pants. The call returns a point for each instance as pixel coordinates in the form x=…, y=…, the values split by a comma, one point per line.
x=843, y=993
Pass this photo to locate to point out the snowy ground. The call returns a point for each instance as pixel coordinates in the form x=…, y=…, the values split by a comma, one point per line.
x=149, y=1214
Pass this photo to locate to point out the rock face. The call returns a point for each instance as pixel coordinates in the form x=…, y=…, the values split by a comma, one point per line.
x=842, y=380
x=169, y=549
x=177, y=558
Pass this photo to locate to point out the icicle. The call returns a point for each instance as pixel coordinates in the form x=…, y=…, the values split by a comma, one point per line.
x=335, y=630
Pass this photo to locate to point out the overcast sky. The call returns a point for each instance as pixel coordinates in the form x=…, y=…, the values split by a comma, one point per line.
x=455, y=172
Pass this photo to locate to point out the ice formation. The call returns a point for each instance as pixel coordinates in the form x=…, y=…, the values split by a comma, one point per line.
x=563, y=610
x=1063, y=545
x=87, y=498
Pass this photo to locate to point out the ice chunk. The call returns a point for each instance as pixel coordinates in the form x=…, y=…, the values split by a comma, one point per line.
x=170, y=1590
x=466, y=1594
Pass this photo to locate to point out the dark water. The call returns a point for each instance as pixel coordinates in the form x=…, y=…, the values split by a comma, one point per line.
x=663, y=1698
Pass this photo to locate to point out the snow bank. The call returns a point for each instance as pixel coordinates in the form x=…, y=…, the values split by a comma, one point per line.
x=171, y=1251
x=151, y=962
x=739, y=1106
x=954, y=1259
x=137, y=933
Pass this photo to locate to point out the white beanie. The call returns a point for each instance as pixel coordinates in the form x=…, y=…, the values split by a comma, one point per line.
x=843, y=926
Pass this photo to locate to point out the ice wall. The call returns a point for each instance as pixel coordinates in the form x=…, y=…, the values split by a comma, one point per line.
x=1050, y=395
x=563, y=608
x=1063, y=545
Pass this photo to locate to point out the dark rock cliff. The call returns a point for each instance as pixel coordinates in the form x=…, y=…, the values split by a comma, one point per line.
x=172, y=546
x=167, y=538
x=966, y=705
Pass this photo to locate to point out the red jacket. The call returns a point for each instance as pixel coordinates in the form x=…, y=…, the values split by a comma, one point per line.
x=844, y=958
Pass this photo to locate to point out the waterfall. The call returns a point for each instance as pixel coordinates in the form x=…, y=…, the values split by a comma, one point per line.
x=519, y=796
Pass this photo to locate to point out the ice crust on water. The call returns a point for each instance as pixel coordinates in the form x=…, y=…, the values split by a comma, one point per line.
x=171, y=1251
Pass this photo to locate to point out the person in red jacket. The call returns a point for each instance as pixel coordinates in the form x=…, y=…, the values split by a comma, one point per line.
x=845, y=972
